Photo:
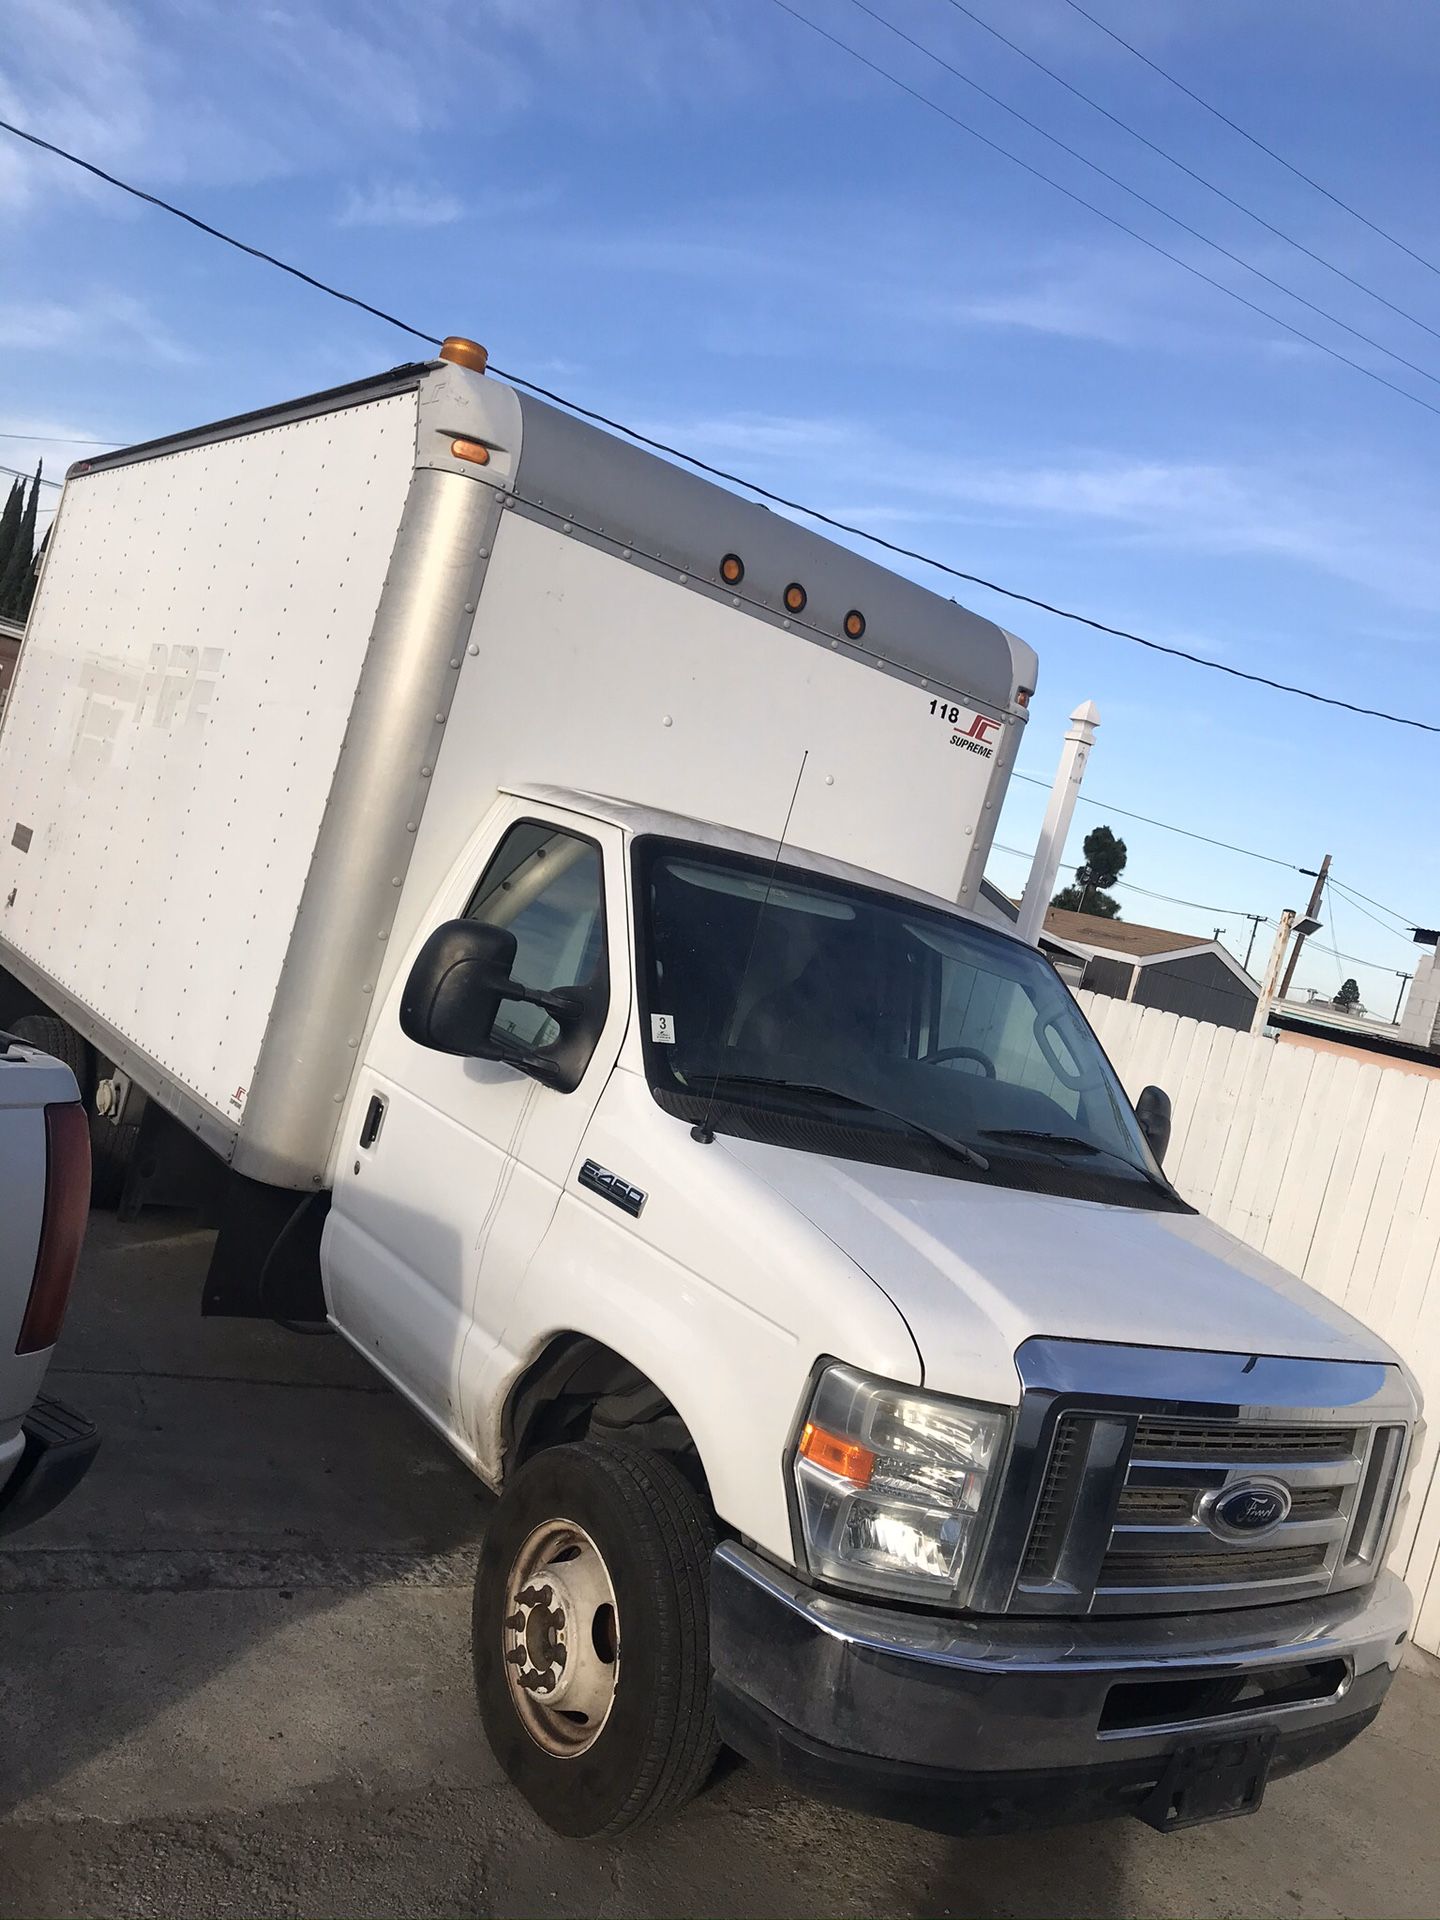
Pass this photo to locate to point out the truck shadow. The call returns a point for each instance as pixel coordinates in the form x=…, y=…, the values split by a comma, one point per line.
x=257, y=1604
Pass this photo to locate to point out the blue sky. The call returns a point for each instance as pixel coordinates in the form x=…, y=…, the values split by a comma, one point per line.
x=698, y=216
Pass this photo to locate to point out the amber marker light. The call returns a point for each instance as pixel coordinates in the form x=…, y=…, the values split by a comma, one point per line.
x=472, y=450
x=854, y=624
x=464, y=353
x=844, y=1457
x=795, y=597
x=732, y=569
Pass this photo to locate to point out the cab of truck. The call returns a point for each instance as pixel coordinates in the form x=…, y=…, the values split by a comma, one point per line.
x=778, y=1240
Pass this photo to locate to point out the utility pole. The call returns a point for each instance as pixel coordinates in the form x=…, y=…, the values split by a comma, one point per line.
x=1404, y=979
x=1050, y=847
x=1256, y=921
x=1272, y=972
x=1311, y=912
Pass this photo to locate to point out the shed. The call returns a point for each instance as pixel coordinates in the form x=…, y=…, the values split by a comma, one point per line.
x=1182, y=973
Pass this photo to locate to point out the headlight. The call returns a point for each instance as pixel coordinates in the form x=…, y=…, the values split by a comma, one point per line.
x=891, y=1486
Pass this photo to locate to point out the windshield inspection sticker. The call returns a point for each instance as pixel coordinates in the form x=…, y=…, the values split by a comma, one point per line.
x=975, y=732
x=662, y=1029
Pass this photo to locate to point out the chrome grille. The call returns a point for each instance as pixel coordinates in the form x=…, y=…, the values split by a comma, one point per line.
x=1109, y=1504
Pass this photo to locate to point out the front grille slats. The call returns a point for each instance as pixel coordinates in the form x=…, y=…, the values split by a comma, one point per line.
x=1174, y=1506
x=1157, y=1441
x=1240, y=1567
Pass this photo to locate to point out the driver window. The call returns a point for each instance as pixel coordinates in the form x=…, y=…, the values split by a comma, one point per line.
x=544, y=885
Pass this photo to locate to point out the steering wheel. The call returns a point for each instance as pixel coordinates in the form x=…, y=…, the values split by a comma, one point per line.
x=942, y=1054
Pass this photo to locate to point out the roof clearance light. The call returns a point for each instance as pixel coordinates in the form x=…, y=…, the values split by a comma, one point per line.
x=471, y=450
x=795, y=597
x=732, y=569
x=855, y=624
x=464, y=353
x=1022, y=696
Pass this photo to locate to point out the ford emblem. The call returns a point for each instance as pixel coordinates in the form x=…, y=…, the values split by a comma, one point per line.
x=1246, y=1509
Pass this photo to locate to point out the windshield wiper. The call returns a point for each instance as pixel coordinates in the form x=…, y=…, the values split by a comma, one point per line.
x=959, y=1148
x=1072, y=1141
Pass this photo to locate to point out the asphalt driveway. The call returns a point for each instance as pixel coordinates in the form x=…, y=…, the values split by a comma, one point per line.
x=235, y=1681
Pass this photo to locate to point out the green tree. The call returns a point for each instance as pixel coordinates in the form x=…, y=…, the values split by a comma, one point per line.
x=1347, y=997
x=10, y=521
x=1104, y=862
x=17, y=576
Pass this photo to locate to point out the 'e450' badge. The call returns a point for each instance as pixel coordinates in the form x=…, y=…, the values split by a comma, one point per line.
x=611, y=1187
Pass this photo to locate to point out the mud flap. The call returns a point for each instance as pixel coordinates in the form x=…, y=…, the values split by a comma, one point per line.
x=266, y=1263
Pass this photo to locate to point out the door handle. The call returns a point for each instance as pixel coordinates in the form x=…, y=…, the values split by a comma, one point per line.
x=374, y=1120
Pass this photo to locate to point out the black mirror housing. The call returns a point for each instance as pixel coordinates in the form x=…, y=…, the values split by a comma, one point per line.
x=1152, y=1110
x=453, y=994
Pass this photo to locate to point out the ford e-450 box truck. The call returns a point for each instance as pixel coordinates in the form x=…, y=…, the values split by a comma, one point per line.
x=536, y=894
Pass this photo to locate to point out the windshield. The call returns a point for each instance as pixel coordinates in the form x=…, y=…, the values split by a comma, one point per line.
x=853, y=1022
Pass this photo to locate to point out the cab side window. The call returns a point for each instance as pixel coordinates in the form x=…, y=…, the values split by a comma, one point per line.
x=545, y=885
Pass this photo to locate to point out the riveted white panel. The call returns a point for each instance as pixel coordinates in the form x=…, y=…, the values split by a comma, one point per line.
x=182, y=698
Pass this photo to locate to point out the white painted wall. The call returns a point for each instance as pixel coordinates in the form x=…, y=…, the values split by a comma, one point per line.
x=1331, y=1165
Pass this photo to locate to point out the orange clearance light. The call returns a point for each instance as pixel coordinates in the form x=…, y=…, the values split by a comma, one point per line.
x=854, y=624
x=795, y=597
x=471, y=450
x=464, y=353
x=732, y=569
x=846, y=1457
x=1022, y=696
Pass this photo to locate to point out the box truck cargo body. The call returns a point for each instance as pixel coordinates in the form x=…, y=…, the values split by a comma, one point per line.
x=276, y=671
x=535, y=896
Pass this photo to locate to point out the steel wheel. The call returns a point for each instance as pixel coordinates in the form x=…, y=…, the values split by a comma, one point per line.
x=561, y=1638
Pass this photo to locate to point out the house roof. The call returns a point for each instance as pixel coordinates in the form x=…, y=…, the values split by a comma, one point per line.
x=1118, y=936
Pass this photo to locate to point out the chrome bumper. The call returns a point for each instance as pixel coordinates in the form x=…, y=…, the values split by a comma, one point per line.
x=835, y=1691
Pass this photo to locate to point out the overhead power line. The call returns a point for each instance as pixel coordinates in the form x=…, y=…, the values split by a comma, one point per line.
x=1355, y=898
x=57, y=439
x=20, y=474
x=1254, y=139
x=1199, y=906
x=1225, y=252
x=1110, y=219
x=1036, y=780
x=1200, y=178
x=733, y=479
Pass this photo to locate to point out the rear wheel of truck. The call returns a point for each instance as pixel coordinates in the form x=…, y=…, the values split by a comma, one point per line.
x=50, y=1033
x=591, y=1637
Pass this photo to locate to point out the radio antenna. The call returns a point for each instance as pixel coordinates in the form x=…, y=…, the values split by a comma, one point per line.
x=701, y=1131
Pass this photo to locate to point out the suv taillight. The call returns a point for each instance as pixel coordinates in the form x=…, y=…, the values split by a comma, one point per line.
x=67, y=1205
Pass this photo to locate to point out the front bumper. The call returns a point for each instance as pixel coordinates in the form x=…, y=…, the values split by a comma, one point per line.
x=984, y=1724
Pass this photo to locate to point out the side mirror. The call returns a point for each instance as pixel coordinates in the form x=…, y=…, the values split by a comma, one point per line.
x=1152, y=1110
x=452, y=998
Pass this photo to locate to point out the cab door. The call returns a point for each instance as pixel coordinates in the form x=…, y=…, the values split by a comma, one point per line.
x=454, y=1166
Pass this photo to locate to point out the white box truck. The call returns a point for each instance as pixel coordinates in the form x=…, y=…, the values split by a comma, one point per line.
x=545, y=890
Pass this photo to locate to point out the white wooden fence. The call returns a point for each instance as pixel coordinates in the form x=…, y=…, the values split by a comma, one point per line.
x=1331, y=1165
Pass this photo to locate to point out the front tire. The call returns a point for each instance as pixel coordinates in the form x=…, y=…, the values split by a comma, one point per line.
x=591, y=1637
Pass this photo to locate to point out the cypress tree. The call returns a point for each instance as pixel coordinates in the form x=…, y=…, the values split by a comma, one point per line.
x=32, y=580
x=10, y=522
x=20, y=563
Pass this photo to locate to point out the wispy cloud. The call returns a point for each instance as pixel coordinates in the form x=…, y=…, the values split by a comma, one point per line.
x=127, y=326
x=399, y=204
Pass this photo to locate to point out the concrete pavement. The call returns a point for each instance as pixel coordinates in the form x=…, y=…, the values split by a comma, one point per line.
x=235, y=1681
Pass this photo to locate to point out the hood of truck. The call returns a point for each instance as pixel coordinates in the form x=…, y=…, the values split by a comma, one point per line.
x=977, y=1269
